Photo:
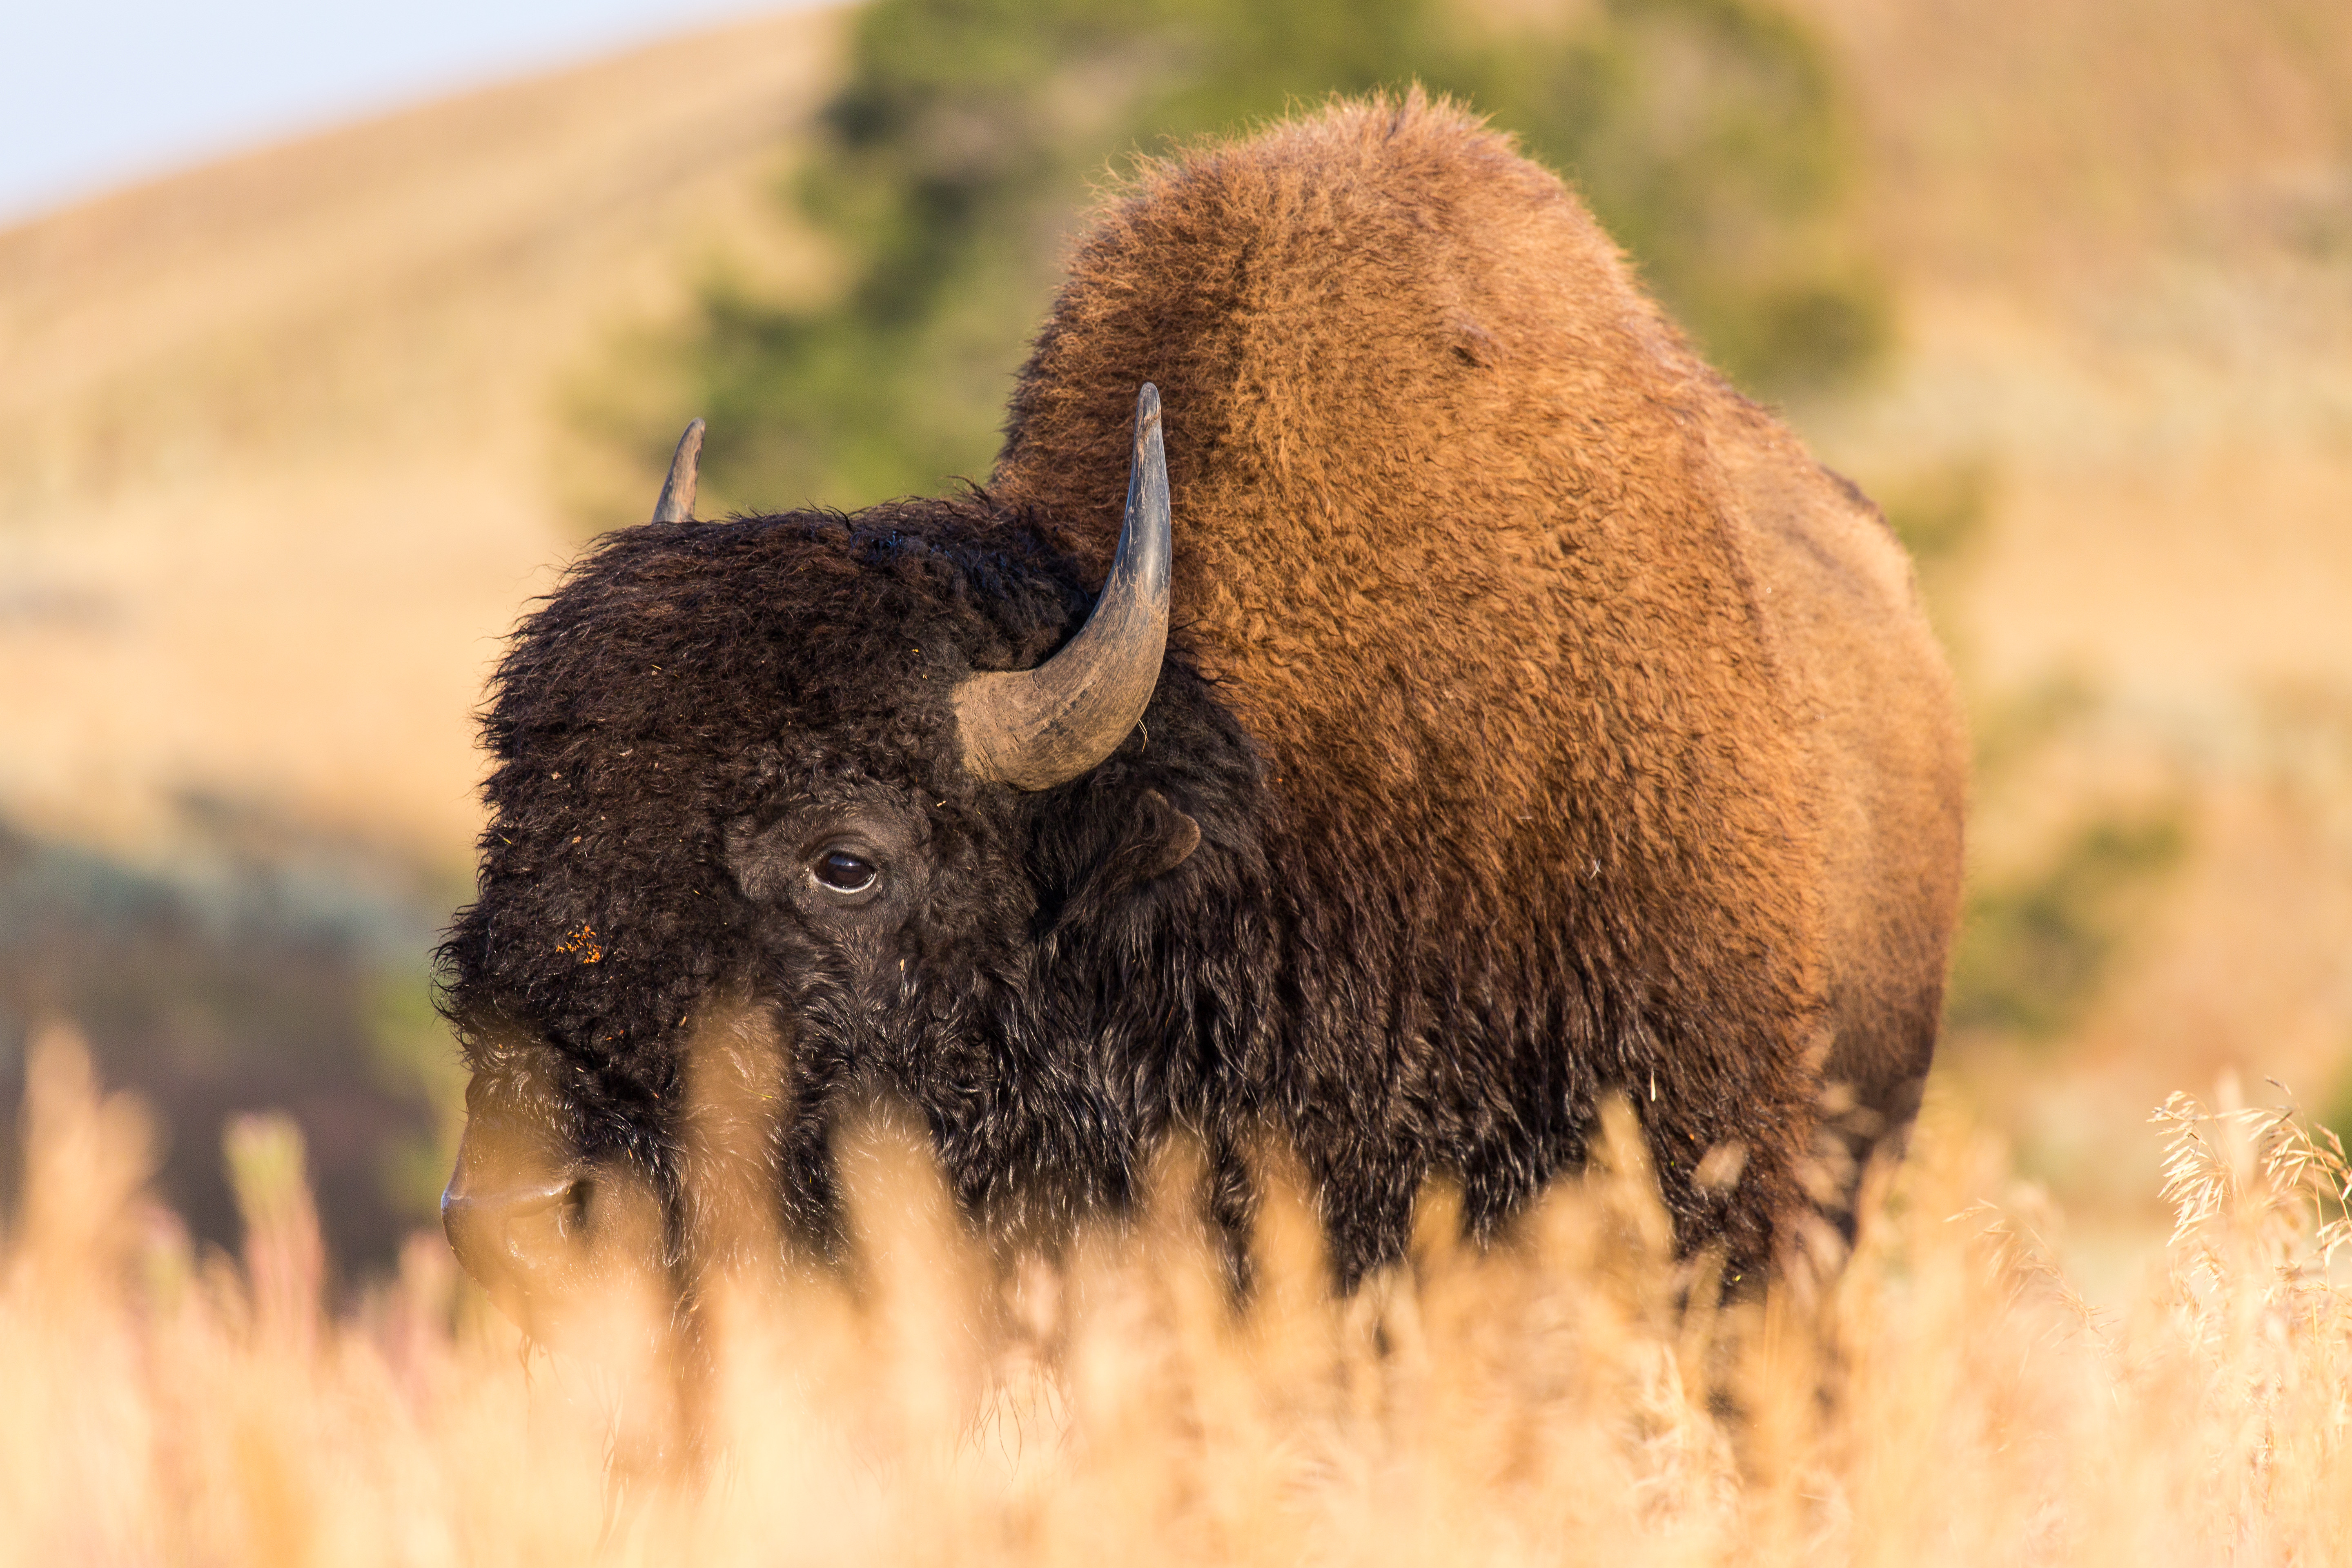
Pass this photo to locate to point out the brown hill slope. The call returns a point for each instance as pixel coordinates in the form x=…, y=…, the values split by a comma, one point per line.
x=2123, y=230
x=276, y=438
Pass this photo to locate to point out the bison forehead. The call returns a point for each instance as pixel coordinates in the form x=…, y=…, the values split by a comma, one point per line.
x=692, y=659
x=806, y=612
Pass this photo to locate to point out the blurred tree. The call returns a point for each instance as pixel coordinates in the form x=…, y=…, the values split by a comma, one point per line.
x=1707, y=135
x=2034, y=949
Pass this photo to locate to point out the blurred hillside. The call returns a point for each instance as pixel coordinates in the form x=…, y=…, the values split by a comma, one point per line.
x=2120, y=424
x=275, y=445
x=959, y=151
x=291, y=440
x=277, y=467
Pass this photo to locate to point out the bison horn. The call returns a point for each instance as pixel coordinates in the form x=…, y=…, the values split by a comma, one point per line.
x=1035, y=728
x=677, y=503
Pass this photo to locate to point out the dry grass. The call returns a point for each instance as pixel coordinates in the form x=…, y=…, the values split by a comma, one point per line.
x=1946, y=1399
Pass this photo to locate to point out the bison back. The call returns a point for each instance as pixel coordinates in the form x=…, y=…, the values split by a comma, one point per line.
x=1480, y=554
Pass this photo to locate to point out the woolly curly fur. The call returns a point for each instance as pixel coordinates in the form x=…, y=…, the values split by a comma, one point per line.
x=1553, y=723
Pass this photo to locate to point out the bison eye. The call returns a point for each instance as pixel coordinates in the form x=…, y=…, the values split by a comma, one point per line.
x=845, y=872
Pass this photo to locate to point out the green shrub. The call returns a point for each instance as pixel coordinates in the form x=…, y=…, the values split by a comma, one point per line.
x=1707, y=134
x=2034, y=951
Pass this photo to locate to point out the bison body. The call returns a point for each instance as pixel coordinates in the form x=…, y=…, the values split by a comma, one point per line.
x=1536, y=720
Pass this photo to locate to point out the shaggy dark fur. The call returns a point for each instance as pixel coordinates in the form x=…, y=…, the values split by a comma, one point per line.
x=1552, y=724
x=701, y=707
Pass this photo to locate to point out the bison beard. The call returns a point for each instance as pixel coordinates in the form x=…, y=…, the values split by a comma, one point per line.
x=1537, y=722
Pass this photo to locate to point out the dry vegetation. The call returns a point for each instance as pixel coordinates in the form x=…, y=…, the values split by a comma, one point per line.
x=1947, y=1398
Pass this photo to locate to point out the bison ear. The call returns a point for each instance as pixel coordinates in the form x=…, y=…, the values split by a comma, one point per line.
x=1154, y=842
x=1166, y=840
x=1116, y=848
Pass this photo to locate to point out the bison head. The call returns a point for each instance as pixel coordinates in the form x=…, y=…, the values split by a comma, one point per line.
x=846, y=801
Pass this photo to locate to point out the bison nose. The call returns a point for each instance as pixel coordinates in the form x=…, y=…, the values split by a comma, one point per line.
x=515, y=1237
x=546, y=1234
x=517, y=1213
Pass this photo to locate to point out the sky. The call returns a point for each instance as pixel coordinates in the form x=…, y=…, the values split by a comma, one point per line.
x=99, y=93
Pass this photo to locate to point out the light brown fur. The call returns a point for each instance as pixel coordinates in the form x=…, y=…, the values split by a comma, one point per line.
x=1516, y=594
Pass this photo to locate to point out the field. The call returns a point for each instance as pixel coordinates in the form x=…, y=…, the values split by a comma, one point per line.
x=1946, y=1399
x=291, y=440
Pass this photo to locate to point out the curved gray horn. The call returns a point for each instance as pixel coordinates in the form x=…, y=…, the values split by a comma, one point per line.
x=677, y=503
x=1033, y=727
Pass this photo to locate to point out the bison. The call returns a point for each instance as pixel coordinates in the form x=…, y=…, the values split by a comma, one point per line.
x=1446, y=703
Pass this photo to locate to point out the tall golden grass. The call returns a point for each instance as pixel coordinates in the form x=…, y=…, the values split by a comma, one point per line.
x=1568, y=1394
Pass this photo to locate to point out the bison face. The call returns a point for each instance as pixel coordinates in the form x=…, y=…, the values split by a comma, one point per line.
x=787, y=812
x=650, y=1022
